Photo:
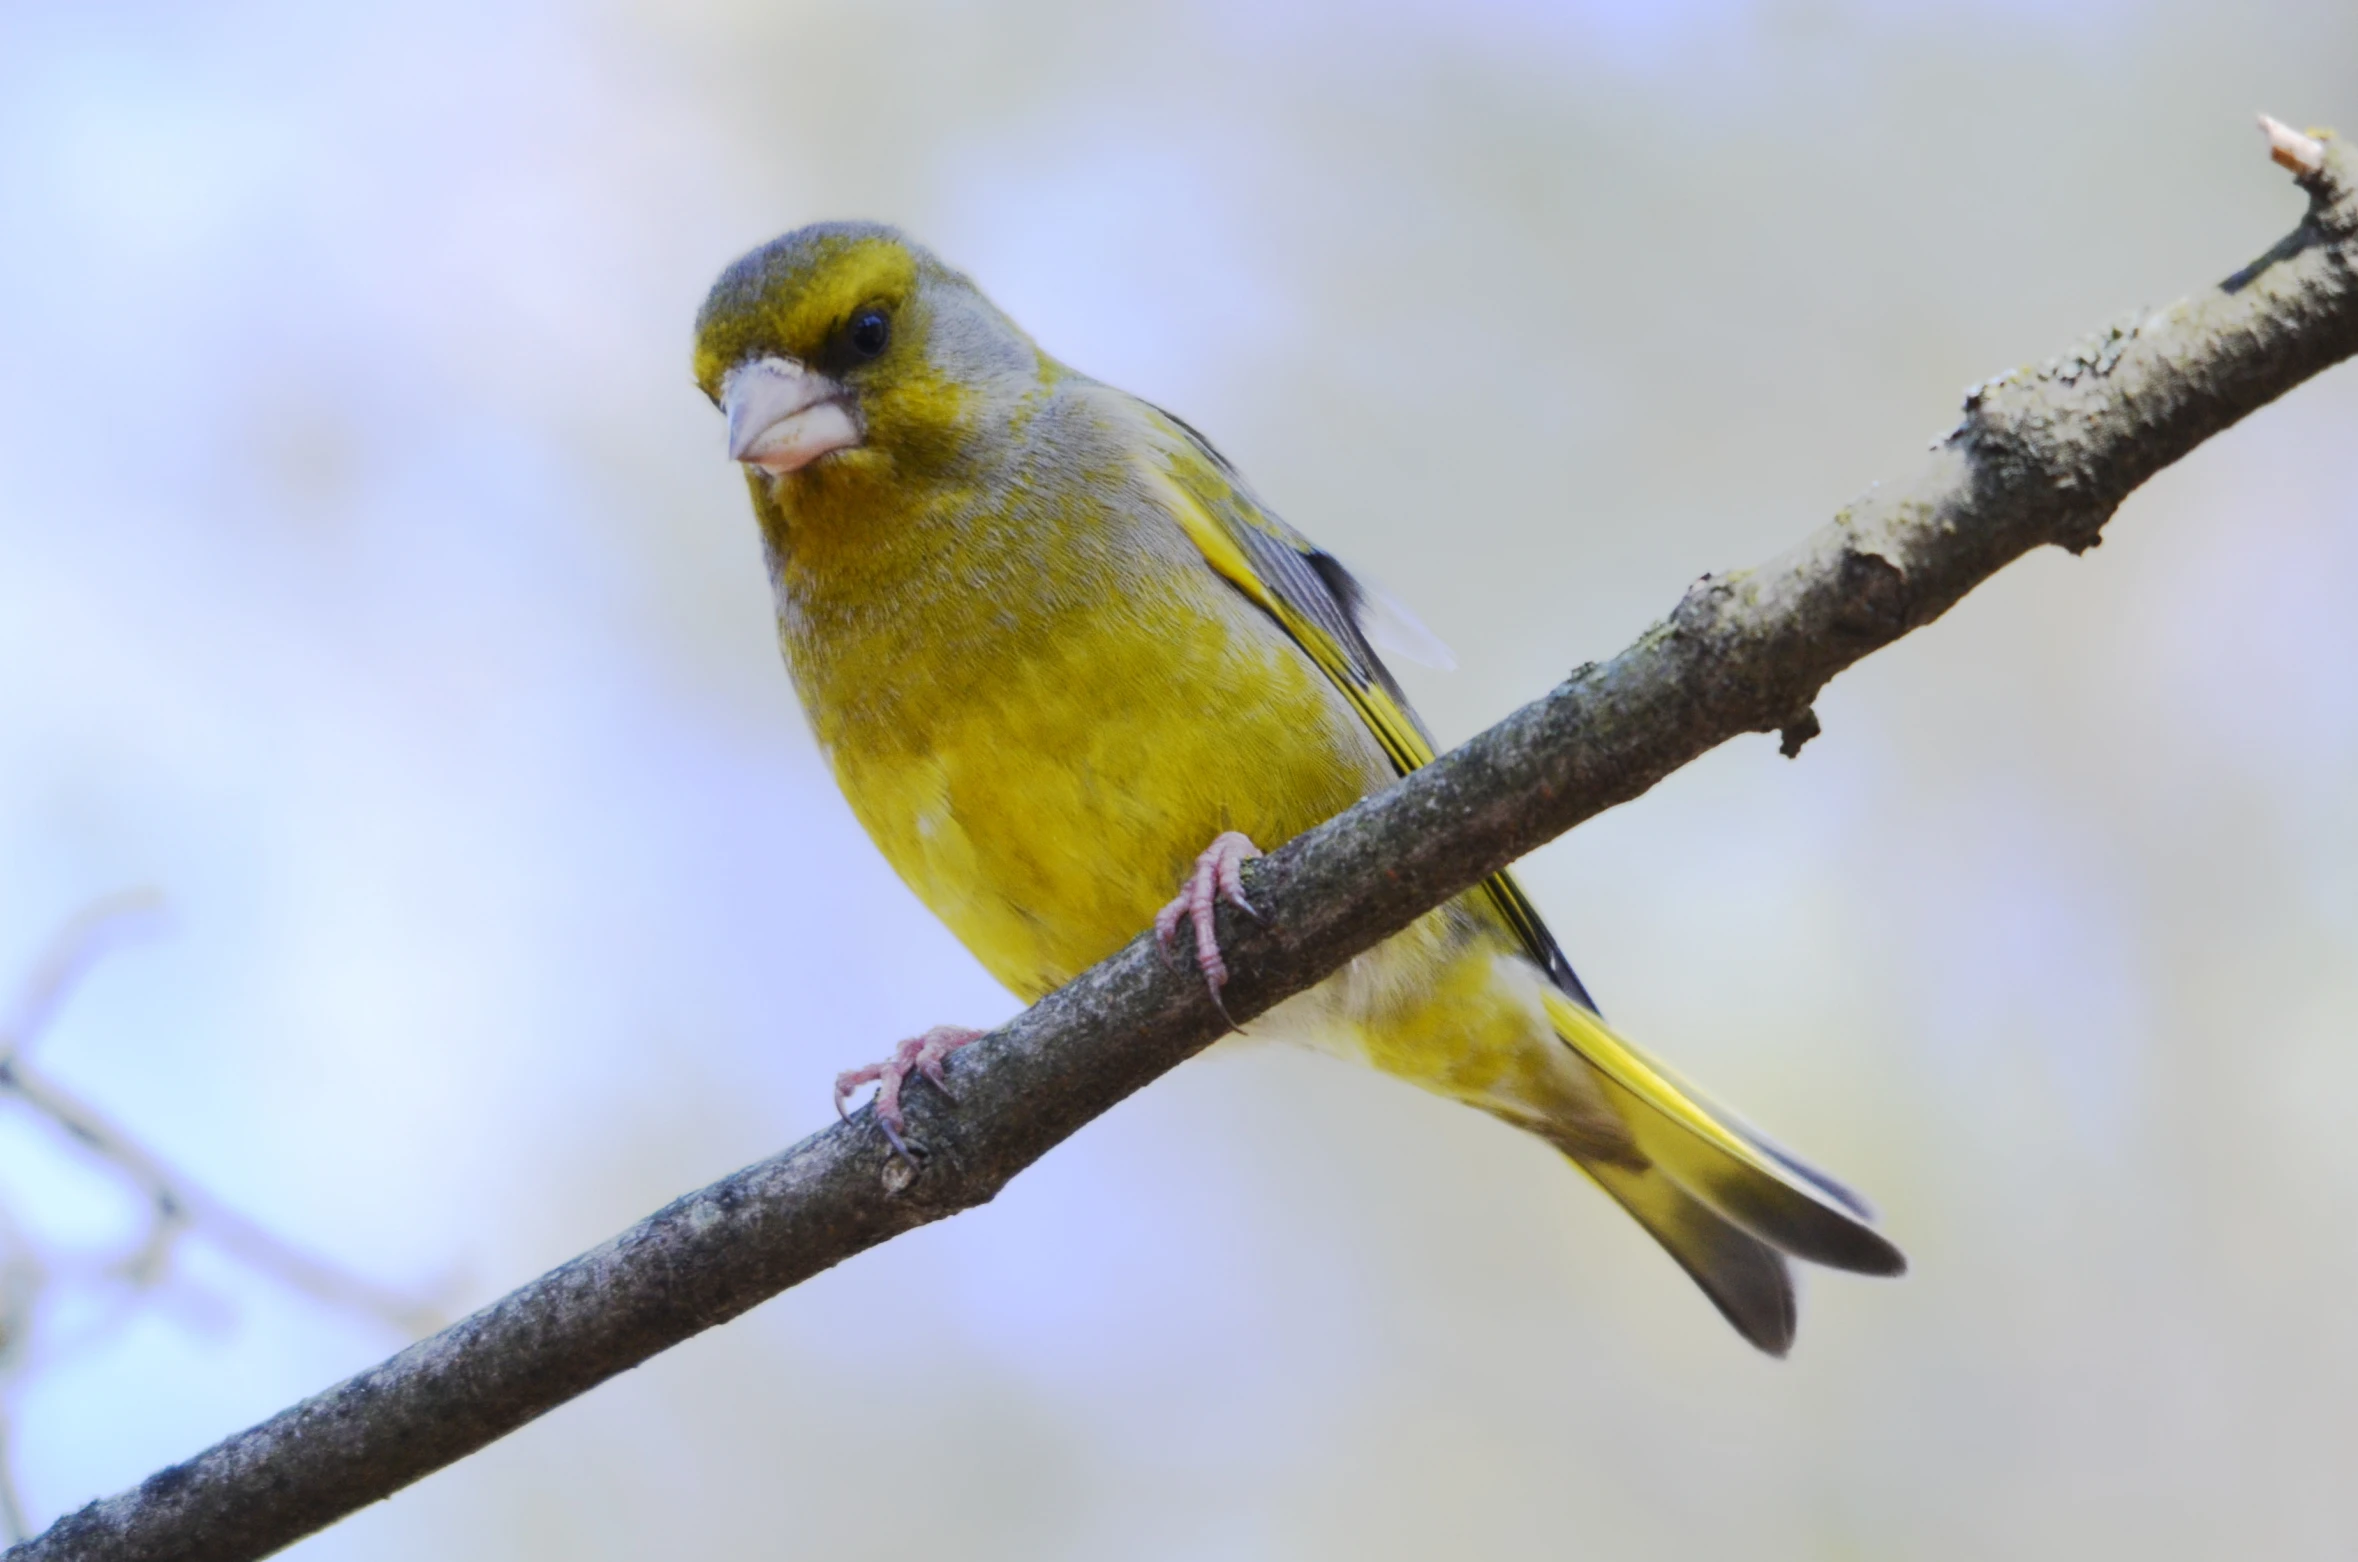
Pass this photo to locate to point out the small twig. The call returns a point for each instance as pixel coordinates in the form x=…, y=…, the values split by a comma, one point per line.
x=176, y=1204
x=2303, y=154
x=180, y=1206
x=88, y=934
x=176, y=1207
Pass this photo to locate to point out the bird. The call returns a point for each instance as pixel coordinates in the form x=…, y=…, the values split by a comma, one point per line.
x=1062, y=660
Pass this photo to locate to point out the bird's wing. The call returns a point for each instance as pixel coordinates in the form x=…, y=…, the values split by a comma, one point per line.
x=1315, y=600
x=1732, y=1168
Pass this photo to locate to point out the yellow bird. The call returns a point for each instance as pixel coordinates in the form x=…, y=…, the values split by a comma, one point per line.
x=1062, y=660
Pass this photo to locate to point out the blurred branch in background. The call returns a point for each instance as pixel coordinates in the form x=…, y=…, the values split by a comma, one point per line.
x=33, y=1279
x=2042, y=455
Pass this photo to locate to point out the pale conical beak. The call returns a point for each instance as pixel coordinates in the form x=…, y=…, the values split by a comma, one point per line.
x=783, y=416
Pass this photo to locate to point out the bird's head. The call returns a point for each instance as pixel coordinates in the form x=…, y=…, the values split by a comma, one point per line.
x=845, y=346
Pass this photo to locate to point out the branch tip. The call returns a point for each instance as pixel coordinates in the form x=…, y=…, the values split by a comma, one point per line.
x=2301, y=155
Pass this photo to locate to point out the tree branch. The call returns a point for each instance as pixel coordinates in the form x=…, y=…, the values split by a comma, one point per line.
x=2042, y=455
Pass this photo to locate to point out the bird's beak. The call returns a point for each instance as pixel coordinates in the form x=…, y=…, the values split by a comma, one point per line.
x=783, y=416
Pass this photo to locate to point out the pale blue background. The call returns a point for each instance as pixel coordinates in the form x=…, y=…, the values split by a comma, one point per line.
x=371, y=582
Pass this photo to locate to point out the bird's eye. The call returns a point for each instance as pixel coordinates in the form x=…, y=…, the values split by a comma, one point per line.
x=868, y=333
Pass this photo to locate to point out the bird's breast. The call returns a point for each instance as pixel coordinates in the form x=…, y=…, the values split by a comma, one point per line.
x=1041, y=752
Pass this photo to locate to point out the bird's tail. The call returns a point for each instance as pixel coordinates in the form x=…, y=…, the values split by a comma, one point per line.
x=1729, y=1205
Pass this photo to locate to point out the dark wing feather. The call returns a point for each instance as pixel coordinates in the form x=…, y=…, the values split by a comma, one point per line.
x=1315, y=600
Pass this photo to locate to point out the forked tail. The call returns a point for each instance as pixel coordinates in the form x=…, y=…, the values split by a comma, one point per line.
x=1727, y=1204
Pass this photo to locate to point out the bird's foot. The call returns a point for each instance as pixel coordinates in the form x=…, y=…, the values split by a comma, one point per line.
x=1217, y=877
x=919, y=1054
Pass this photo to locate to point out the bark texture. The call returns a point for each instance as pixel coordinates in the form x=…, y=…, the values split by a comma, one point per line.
x=2041, y=455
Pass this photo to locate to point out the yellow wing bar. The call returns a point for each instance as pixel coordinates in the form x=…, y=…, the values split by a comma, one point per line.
x=1287, y=577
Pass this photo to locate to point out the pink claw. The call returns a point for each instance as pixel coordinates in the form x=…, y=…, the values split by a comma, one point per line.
x=923, y=1054
x=1218, y=876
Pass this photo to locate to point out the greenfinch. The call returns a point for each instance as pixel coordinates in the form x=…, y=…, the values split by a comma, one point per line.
x=1062, y=660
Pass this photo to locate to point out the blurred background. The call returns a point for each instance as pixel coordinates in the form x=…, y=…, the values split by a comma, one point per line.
x=373, y=586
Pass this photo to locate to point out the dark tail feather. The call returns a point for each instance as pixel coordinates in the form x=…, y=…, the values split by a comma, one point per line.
x=1740, y=1175
x=1745, y=1278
